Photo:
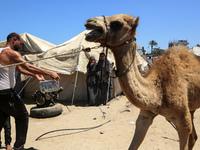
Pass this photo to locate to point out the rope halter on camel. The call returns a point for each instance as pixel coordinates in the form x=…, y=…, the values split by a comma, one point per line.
x=106, y=45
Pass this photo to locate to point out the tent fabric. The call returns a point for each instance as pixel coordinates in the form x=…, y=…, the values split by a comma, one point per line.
x=68, y=64
x=32, y=44
x=71, y=65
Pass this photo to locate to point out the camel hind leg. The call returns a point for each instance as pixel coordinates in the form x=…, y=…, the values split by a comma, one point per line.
x=193, y=136
x=183, y=124
x=143, y=122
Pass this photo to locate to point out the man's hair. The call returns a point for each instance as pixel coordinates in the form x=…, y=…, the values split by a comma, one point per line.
x=12, y=35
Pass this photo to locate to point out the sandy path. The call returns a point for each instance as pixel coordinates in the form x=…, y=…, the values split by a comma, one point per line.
x=117, y=134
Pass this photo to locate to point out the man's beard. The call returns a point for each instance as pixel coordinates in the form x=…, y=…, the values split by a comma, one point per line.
x=16, y=47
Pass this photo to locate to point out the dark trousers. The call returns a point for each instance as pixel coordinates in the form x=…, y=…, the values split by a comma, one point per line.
x=7, y=129
x=11, y=104
x=106, y=92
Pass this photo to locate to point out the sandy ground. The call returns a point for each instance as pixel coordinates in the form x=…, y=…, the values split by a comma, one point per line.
x=115, y=135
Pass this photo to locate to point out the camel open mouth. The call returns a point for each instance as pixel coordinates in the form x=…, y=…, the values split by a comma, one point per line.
x=96, y=32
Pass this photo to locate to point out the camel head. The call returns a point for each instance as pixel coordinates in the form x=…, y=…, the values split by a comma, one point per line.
x=111, y=31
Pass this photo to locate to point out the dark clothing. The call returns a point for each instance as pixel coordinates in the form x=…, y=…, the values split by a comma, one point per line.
x=11, y=104
x=92, y=85
x=101, y=69
x=105, y=92
x=104, y=80
x=7, y=129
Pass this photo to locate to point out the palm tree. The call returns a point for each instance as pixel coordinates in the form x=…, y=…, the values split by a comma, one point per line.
x=153, y=43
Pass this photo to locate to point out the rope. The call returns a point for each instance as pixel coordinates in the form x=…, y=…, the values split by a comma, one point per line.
x=77, y=50
x=73, y=129
x=129, y=65
x=25, y=85
x=172, y=125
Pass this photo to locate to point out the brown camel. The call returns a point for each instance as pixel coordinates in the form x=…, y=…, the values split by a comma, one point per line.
x=171, y=87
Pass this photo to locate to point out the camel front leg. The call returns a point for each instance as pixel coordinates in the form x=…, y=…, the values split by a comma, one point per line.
x=143, y=122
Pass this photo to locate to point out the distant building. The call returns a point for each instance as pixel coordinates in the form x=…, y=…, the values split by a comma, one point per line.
x=146, y=56
x=196, y=50
x=178, y=43
x=140, y=51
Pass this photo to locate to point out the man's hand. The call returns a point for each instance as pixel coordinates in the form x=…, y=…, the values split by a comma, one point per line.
x=55, y=76
x=40, y=77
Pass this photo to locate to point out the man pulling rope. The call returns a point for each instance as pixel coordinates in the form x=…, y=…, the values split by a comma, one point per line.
x=10, y=103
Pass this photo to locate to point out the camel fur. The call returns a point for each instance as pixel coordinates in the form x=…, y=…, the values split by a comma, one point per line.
x=170, y=88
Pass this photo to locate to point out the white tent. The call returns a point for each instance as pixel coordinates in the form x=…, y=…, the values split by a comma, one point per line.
x=72, y=67
x=32, y=44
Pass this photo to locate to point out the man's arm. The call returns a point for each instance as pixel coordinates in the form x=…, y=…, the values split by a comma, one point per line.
x=26, y=72
x=16, y=57
x=40, y=77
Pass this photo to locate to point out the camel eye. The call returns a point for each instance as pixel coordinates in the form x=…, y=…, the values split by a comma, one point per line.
x=116, y=25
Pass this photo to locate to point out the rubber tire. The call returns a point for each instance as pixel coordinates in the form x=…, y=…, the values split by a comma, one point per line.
x=46, y=112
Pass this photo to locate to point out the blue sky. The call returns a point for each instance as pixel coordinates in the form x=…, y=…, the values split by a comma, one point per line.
x=57, y=21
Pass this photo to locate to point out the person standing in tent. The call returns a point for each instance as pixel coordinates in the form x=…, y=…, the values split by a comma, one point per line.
x=104, y=78
x=10, y=103
x=92, y=84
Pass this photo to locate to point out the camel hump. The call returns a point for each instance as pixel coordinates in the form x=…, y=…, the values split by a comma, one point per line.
x=175, y=62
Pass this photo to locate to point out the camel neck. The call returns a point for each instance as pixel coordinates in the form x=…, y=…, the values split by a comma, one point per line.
x=138, y=90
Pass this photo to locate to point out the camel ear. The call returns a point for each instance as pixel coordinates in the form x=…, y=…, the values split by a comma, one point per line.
x=136, y=22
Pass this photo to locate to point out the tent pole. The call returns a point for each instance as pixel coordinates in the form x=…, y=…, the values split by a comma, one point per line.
x=74, y=87
x=80, y=46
